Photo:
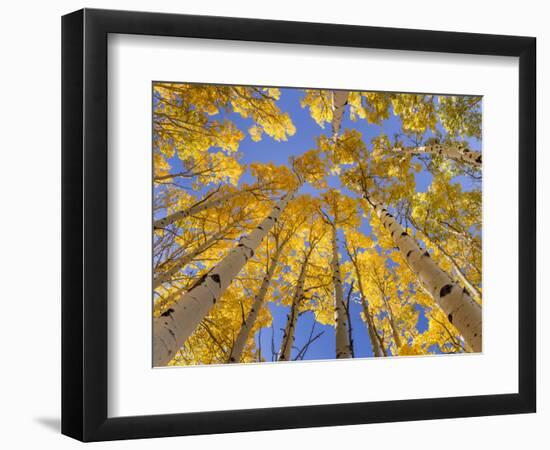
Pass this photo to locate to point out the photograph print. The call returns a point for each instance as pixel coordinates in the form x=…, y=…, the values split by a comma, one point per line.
x=300, y=224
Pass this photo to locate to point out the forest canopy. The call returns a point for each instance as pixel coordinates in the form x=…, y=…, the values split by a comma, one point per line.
x=293, y=224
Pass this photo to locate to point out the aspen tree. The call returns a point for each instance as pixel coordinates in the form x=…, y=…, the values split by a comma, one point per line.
x=311, y=236
x=343, y=210
x=461, y=310
x=175, y=325
x=343, y=345
x=248, y=322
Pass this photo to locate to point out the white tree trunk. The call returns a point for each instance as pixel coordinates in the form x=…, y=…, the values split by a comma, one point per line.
x=175, y=325
x=195, y=209
x=246, y=327
x=292, y=318
x=339, y=102
x=183, y=260
x=457, y=152
x=343, y=347
x=461, y=310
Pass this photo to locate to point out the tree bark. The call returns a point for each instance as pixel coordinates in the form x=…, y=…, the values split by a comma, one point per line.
x=248, y=323
x=290, y=329
x=457, y=152
x=461, y=310
x=339, y=102
x=343, y=348
x=175, y=325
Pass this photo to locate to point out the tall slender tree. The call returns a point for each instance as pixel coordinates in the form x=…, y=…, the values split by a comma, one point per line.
x=340, y=210
x=176, y=324
x=282, y=233
x=228, y=253
x=311, y=236
x=461, y=310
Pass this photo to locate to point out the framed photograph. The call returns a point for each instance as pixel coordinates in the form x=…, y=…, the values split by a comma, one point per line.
x=273, y=225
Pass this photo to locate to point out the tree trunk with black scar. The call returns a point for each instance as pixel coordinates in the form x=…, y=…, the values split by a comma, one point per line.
x=249, y=321
x=343, y=348
x=292, y=317
x=458, y=152
x=339, y=102
x=195, y=209
x=186, y=259
x=175, y=325
x=461, y=310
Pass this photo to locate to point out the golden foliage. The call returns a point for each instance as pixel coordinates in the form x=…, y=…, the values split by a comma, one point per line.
x=196, y=142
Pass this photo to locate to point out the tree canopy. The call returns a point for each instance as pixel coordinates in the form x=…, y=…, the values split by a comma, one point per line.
x=295, y=224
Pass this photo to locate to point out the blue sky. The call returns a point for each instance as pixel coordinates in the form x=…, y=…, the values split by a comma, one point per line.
x=269, y=150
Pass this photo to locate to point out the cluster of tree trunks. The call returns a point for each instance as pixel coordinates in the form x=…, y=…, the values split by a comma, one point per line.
x=461, y=310
x=175, y=325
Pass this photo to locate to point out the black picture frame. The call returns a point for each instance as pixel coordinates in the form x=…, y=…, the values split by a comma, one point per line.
x=84, y=224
